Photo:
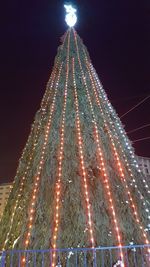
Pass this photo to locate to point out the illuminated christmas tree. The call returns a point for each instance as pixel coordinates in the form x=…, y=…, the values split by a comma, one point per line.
x=78, y=183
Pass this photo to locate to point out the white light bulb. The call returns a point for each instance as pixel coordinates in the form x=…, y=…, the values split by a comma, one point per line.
x=71, y=17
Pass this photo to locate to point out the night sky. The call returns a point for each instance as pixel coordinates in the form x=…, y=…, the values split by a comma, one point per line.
x=116, y=34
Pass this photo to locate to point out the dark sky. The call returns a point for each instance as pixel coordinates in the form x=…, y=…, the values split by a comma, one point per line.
x=116, y=34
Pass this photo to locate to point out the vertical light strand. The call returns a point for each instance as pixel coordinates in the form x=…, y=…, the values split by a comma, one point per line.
x=20, y=190
x=122, y=176
x=119, y=165
x=102, y=163
x=43, y=104
x=23, y=178
x=65, y=37
x=60, y=160
x=34, y=194
x=115, y=133
x=102, y=94
x=120, y=129
x=131, y=176
x=48, y=86
x=46, y=96
x=134, y=184
x=81, y=157
x=126, y=142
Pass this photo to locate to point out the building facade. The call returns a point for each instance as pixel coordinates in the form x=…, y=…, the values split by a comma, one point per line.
x=4, y=195
x=144, y=164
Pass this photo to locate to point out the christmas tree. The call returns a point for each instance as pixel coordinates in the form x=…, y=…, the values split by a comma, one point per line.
x=78, y=183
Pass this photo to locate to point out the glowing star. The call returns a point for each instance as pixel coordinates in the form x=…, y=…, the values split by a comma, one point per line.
x=71, y=17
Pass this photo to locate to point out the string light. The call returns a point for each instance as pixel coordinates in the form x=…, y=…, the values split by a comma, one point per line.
x=129, y=195
x=120, y=168
x=134, y=161
x=130, y=171
x=82, y=163
x=23, y=179
x=133, y=206
x=60, y=159
x=66, y=34
x=120, y=129
x=47, y=94
x=112, y=111
x=49, y=86
x=84, y=174
x=44, y=104
x=100, y=155
x=37, y=177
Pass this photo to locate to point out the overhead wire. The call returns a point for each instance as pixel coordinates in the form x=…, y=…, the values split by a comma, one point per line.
x=137, y=140
x=135, y=106
x=136, y=129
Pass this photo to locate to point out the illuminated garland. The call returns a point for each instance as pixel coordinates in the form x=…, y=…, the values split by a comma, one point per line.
x=46, y=96
x=101, y=158
x=133, y=207
x=48, y=88
x=19, y=193
x=66, y=33
x=125, y=158
x=120, y=129
x=43, y=106
x=22, y=182
x=132, y=177
x=102, y=162
x=120, y=168
x=37, y=177
x=81, y=157
x=117, y=130
x=60, y=159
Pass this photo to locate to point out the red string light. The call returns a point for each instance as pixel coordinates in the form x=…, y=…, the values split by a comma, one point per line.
x=60, y=159
x=122, y=176
x=46, y=96
x=84, y=174
x=37, y=177
x=102, y=163
x=103, y=96
x=116, y=134
x=119, y=165
x=49, y=87
x=23, y=179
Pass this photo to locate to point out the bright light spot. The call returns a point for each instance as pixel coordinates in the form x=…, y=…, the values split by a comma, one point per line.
x=71, y=17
